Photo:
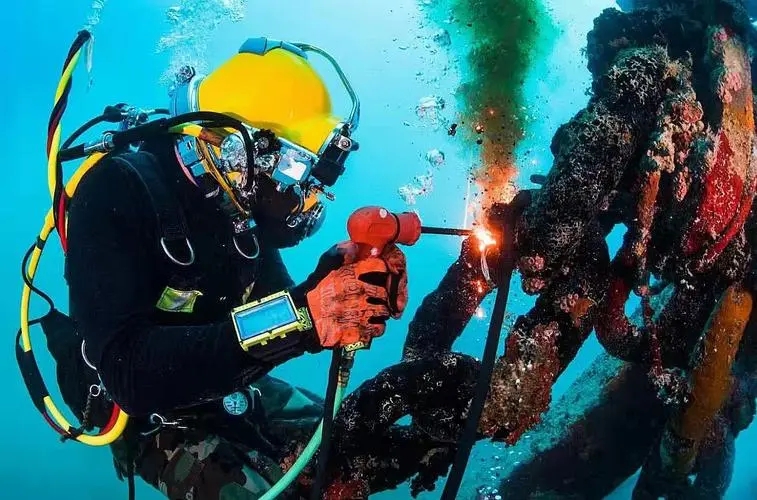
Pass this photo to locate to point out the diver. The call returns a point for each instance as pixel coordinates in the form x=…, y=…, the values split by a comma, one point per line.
x=178, y=291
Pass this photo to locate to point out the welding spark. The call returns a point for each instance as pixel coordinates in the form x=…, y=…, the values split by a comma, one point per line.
x=485, y=238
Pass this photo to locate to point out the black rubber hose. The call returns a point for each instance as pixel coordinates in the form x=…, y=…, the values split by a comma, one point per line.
x=327, y=430
x=468, y=438
x=482, y=389
x=150, y=129
x=28, y=282
x=79, y=131
x=111, y=114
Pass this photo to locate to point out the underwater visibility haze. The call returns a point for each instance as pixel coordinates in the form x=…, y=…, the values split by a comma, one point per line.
x=580, y=174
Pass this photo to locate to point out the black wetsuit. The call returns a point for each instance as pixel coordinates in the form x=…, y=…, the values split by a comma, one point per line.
x=151, y=360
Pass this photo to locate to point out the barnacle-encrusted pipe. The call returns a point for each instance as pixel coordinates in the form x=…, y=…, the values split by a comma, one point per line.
x=681, y=320
x=679, y=121
x=611, y=406
x=610, y=411
x=592, y=152
x=370, y=453
x=710, y=380
x=444, y=313
x=729, y=167
x=614, y=406
x=543, y=342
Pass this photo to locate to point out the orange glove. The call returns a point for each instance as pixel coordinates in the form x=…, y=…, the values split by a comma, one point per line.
x=352, y=303
x=397, y=280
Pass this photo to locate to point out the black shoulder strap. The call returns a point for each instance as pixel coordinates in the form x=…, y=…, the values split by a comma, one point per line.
x=172, y=224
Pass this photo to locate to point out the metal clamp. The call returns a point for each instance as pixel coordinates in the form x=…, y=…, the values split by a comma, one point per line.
x=104, y=144
x=160, y=422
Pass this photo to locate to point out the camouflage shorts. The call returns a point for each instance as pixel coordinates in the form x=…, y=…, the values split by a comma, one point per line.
x=192, y=465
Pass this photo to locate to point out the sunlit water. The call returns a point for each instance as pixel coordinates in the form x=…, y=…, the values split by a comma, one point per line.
x=405, y=70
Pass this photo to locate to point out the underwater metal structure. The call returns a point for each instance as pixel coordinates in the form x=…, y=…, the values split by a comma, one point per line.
x=703, y=343
x=666, y=147
x=689, y=210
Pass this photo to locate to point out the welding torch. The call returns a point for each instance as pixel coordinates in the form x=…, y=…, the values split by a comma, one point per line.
x=372, y=229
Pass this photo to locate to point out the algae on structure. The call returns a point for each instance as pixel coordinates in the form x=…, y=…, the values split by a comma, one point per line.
x=506, y=36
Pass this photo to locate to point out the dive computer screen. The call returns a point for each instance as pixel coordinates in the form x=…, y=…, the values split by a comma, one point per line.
x=265, y=317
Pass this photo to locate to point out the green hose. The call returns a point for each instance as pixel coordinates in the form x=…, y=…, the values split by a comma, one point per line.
x=305, y=456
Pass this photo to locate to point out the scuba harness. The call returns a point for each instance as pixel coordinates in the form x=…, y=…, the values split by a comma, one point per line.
x=134, y=127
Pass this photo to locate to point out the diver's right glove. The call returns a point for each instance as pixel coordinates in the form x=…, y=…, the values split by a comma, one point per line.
x=351, y=304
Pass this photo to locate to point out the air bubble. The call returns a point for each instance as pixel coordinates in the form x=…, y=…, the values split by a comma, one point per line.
x=192, y=25
x=429, y=110
x=435, y=158
x=421, y=186
x=442, y=38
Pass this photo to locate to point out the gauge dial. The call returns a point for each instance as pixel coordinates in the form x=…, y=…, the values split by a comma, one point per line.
x=236, y=403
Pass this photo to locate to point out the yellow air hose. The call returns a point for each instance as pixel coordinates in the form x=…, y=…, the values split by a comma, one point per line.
x=49, y=225
x=52, y=159
x=26, y=343
x=120, y=418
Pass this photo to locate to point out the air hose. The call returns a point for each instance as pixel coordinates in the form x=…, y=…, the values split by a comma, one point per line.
x=328, y=424
x=338, y=378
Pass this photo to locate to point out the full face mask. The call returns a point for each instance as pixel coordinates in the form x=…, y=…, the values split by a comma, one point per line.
x=298, y=147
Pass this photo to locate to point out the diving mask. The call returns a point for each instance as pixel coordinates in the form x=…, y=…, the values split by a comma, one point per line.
x=287, y=164
x=280, y=179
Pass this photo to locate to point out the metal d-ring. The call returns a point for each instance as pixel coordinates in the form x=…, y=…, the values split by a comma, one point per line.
x=241, y=252
x=84, y=356
x=174, y=259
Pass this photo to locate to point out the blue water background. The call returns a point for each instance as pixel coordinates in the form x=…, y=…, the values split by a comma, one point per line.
x=386, y=50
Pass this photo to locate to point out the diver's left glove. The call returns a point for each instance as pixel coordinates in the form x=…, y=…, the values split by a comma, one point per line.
x=345, y=253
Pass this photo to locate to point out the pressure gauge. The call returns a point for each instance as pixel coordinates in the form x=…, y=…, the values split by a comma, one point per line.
x=236, y=403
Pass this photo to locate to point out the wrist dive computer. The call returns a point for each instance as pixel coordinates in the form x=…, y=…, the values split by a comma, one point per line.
x=275, y=316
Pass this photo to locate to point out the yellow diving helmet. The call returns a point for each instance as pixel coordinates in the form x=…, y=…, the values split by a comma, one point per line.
x=300, y=146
